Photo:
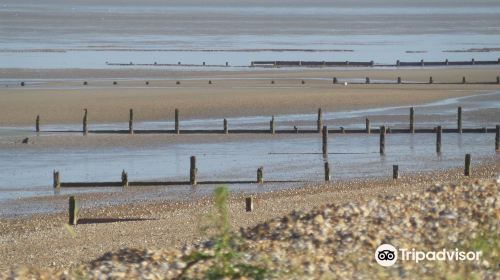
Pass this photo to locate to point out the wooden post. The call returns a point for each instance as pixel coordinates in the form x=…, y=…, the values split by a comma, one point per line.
x=319, y=123
x=74, y=209
x=272, y=129
x=335, y=80
x=398, y=63
x=342, y=130
x=382, y=140
x=412, y=120
x=85, y=128
x=431, y=80
x=177, y=131
x=467, y=165
x=439, y=132
x=497, y=138
x=446, y=62
x=395, y=172
x=498, y=79
x=463, y=80
x=459, y=120
x=37, y=125
x=325, y=141
x=131, y=122
x=367, y=124
x=260, y=175
x=327, y=172
x=249, y=204
x=57, y=181
x=367, y=80
x=193, y=171
x=124, y=179
x=399, y=80
x=226, y=131
x=422, y=62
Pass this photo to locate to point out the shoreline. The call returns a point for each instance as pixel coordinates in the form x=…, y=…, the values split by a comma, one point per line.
x=175, y=222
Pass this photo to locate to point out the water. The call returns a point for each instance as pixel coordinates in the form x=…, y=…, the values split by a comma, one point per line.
x=193, y=32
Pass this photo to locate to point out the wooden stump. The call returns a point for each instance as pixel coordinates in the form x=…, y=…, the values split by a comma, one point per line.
x=131, y=122
x=57, y=181
x=124, y=179
x=439, y=132
x=319, y=122
x=226, y=131
x=367, y=126
x=497, y=138
x=327, y=172
x=74, y=209
x=85, y=128
x=272, y=128
x=459, y=120
x=260, y=175
x=412, y=120
x=325, y=141
x=382, y=140
x=249, y=204
x=467, y=171
x=37, y=124
x=395, y=172
x=177, y=131
x=193, y=171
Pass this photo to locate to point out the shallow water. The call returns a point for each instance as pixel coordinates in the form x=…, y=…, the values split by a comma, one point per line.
x=193, y=32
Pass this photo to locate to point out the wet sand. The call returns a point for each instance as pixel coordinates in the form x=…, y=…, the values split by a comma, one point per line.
x=42, y=240
x=231, y=94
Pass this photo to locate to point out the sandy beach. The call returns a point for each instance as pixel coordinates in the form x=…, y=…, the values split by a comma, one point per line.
x=230, y=95
x=42, y=240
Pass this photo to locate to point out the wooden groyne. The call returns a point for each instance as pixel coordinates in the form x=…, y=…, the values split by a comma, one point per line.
x=318, y=127
x=371, y=63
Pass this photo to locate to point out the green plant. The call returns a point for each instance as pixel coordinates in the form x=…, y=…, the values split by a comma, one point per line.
x=226, y=259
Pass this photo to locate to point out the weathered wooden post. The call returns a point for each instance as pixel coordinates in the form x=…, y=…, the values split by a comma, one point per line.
x=473, y=61
x=131, y=122
x=177, y=131
x=209, y=82
x=399, y=80
x=272, y=127
x=395, y=172
x=227, y=64
x=327, y=172
x=342, y=130
x=226, y=131
x=37, y=125
x=335, y=80
x=439, y=132
x=124, y=179
x=498, y=79
x=422, y=62
x=497, y=138
x=85, y=128
x=367, y=80
x=193, y=171
x=203, y=63
x=467, y=165
x=325, y=141
x=446, y=62
x=459, y=120
x=249, y=204
x=367, y=124
x=74, y=209
x=57, y=181
x=412, y=120
x=382, y=140
x=463, y=80
x=398, y=63
x=431, y=80
x=303, y=82
x=260, y=175
x=319, y=123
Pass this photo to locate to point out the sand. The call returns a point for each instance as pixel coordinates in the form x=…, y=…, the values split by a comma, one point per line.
x=232, y=94
x=43, y=241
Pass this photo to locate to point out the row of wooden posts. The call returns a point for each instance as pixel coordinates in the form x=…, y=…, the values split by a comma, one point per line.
x=272, y=126
x=74, y=206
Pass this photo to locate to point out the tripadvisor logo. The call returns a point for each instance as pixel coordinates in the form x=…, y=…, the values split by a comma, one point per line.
x=387, y=255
